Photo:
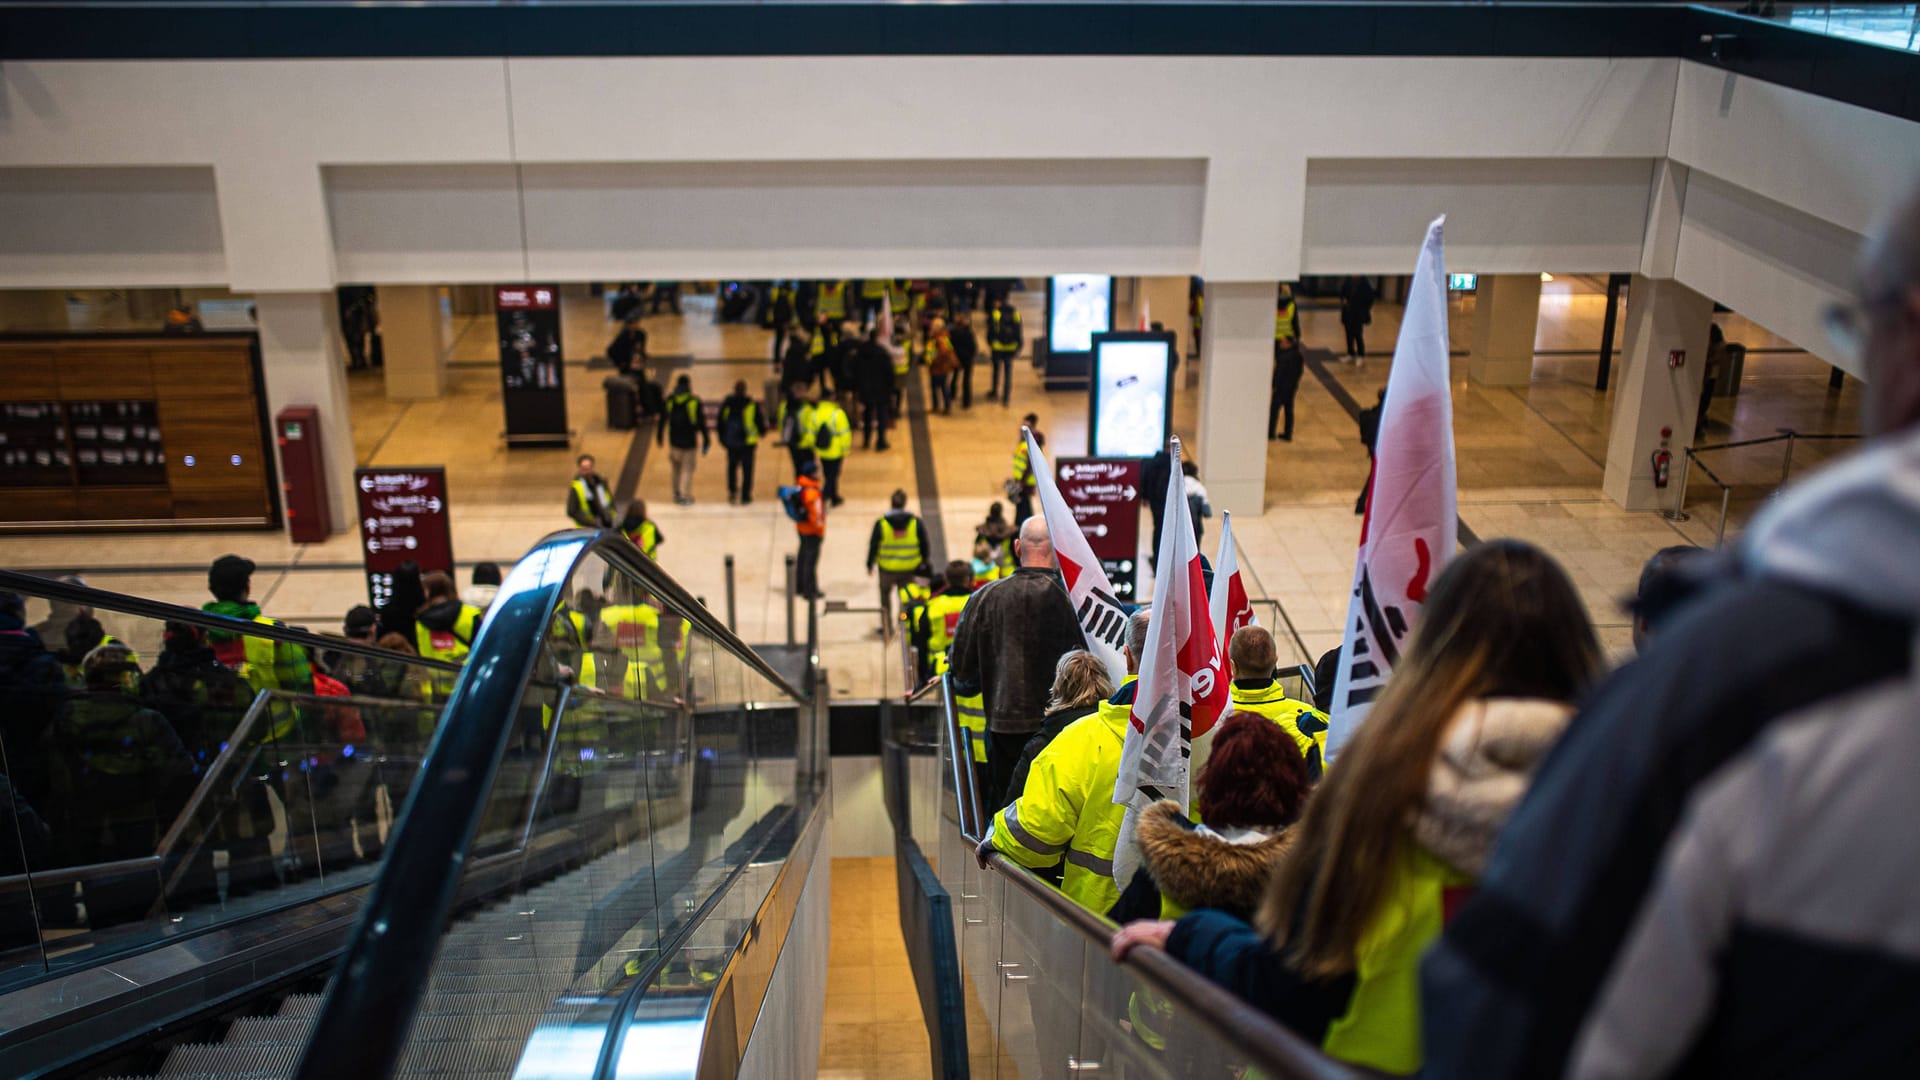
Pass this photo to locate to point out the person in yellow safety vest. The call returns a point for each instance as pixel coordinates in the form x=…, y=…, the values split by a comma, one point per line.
x=997, y=531
x=939, y=617
x=1023, y=469
x=986, y=564
x=1005, y=336
x=1255, y=690
x=897, y=548
x=639, y=529
x=901, y=298
x=84, y=634
x=266, y=664
x=443, y=628
x=832, y=439
x=830, y=300
x=873, y=292
x=1066, y=809
x=739, y=426
x=589, y=500
x=1288, y=365
x=791, y=421
x=630, y=657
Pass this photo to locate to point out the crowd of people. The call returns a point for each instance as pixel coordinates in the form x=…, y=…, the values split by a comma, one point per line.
x=1523, y=863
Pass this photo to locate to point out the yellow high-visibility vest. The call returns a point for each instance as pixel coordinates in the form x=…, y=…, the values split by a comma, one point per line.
x=899, y=551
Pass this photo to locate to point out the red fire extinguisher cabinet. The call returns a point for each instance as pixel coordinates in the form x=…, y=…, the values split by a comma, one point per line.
x=303, y=474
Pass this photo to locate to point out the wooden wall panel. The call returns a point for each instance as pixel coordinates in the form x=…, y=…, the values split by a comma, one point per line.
x=27, y=374
x=123, y=504
x=202, y=372
x=104, y=373
x=38, y=504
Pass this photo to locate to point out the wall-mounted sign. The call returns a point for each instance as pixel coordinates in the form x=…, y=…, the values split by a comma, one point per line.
x=403, y=516
x=532, y=378
x=1463, y=282
x=1104, y=494
x=1078, y=307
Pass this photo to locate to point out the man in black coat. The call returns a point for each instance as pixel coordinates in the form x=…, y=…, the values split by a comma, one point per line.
x=873, y=381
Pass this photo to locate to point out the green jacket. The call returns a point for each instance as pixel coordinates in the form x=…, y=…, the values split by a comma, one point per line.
x=263, y=662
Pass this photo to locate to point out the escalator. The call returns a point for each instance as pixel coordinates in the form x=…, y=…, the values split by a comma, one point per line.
x=518, y=868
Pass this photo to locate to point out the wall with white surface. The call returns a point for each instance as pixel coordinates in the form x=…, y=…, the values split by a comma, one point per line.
x=78, y=227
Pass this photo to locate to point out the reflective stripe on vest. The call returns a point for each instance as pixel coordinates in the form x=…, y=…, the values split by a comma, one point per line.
x=831, y=298
x=899, y=551
x=1283, y=322
x=972, y=712
x=647, y=539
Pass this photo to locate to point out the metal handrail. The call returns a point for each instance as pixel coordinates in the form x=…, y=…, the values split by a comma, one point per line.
x=1260, y=1037
x=1266, y=597
x=49, y=589
x=1786, y=435
x=362, y=1025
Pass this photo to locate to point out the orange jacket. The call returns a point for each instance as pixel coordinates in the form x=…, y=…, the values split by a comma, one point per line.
x=816, y=520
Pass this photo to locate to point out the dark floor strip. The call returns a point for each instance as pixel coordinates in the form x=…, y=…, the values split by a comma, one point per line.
x=925, y=482
x=630, y=469
x=1317, y=363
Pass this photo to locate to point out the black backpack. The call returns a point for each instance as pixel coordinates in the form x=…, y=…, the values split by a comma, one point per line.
x=733, y=427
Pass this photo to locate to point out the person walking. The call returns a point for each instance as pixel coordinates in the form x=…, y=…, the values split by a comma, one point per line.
x=1005, y=337
x=796, y=363
x=966, y=348
x=589, y=499
x=897, y=548
x=686, y=430
x=741, y=426
x=811, y=525
x=832, y=439
x=1013, y=632
x=942, y=362
x=796, y=434
x=1288, y=365
x=873, y=382
x=1713, y=874
x=1356, y=312
x=1023, y=483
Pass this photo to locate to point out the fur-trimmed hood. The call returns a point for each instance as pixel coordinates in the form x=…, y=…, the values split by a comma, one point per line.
x=1195, y=868
x=1486, y=761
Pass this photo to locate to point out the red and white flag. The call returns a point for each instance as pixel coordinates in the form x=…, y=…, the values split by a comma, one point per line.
x=1146, y=315
x=1103, y=622
x=883, y=329
x=1228, y=601
x=1412, y=518
x=1183, y=689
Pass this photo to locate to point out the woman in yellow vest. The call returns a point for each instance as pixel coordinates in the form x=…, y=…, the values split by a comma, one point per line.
x=1404, y=823
x=637, y=527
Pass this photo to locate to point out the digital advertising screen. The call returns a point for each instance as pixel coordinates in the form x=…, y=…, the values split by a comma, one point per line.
x=1132, y=400
x=1078, y=307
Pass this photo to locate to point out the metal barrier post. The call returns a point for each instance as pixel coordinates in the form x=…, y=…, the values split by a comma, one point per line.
x=1720, y=534
x=1786, y=467
x=733, y=622
x=790, y=599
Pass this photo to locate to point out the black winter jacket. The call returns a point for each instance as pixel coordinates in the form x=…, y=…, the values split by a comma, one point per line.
x=1011, y=635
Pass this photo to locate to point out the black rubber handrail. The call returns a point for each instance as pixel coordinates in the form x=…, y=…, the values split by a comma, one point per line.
x=50, y=589
x=362, y=1026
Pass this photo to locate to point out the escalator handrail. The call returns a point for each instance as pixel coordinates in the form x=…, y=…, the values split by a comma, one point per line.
x=362, y=1025
x=1266, y=1042
x=159, y=611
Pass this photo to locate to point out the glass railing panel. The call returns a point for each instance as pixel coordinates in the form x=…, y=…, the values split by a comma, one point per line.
x=169, y=776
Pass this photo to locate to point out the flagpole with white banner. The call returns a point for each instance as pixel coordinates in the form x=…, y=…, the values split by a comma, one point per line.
x=1411, y=522
x=1103, y=622
x=1182, y=691
x=1228, y=601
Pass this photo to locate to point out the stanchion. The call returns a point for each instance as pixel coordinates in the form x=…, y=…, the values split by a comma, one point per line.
x=790, y=639
x=1679, y=511
x=733, y=623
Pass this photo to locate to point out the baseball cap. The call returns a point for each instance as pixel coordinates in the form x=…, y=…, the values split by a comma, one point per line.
x=360, y=619
x=228, y=574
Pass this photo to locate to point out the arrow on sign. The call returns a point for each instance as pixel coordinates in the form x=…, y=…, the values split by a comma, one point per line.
x=366, y=483
x=373, y=545
x=433, y=506
x=1131, y=492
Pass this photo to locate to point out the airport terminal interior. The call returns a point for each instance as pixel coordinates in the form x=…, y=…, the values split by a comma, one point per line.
x=637, y=805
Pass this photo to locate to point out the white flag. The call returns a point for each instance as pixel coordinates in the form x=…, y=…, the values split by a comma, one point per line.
x=1408, y=533
x=883, y=330
x=1146, y=314
x=1103, y=622
x=1228, y=602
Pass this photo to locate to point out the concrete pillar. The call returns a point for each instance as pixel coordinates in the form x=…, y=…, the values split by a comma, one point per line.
x=1166, y=299
x=1649, y=394
x=413, y=333
x=1236, y=381
x=302, y=359
x=1506, y=313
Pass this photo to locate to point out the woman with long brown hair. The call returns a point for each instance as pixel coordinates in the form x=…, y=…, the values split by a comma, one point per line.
x=1404, y=822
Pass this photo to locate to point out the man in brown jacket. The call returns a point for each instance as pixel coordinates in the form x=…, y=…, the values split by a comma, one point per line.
x=1011, y=634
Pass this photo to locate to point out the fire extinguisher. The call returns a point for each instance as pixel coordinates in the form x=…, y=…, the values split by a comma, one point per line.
x=1662, y=459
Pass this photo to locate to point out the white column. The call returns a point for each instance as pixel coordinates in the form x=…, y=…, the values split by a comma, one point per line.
x=1663, y=316
x=1506, y=314
x=300, y=353
x=1167, y=304
x=1236, y=380
x=411, y=330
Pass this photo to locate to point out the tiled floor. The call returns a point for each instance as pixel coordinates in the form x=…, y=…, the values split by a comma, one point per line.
x=873, y=1029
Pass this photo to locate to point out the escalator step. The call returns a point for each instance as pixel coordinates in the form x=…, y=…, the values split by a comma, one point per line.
x=251, y=1061
x=517, y=964
x=301, y=1005
x=485, y=1027
x=254, y=1029
x=474, y=1057
x=485, y=1004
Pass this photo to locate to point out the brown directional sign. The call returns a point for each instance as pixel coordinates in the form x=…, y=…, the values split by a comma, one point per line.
x=1104, y=494
x=403, y=516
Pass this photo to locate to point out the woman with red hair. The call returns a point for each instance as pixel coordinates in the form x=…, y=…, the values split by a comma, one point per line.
x=1253, y=786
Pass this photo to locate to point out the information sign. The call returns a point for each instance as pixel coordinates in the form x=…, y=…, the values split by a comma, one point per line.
x=532, y=377
x=1104, y=494
x=403, y=516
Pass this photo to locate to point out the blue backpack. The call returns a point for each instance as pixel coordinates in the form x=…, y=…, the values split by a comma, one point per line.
x=790, y=498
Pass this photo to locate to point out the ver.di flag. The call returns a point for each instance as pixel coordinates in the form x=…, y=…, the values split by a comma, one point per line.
x=1408, y=532
x=883, y=329
x=1103, y=622
x=1182, y=690
x=1228, y=602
